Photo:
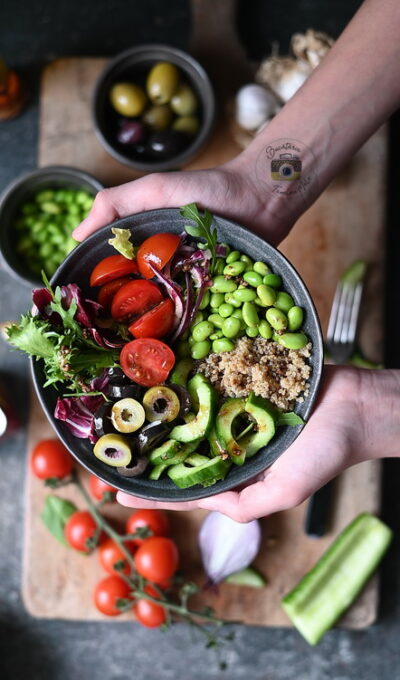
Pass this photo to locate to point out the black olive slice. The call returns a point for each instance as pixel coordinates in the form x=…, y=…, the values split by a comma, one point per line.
x=184, y=398
x=151, y=435
x=124, y=391
x=135, y=468
x=102, y=420
x=116, y=376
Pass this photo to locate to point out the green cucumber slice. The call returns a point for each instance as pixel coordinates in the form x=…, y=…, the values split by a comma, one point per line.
x=247, y=577
x=181, y=371
x=265, y=415
x=200, y=426
x=331, y=586
x=230, y=409
x=209, y=471
x=179, y=457
x=167, y=450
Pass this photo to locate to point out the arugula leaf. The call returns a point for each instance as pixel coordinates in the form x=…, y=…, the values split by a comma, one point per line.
x=203, y=228
x=290, y=418
x=122, y=243
x=55, y=514
x=33, y=336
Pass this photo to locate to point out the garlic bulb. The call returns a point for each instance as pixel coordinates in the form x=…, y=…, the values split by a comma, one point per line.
x=254, y=105
x=311, y=46
x=283, y=75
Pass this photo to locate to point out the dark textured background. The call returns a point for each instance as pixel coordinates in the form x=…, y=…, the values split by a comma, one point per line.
x=31, y=34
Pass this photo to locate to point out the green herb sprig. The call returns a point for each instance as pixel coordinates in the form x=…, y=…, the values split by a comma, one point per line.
x=203, y=228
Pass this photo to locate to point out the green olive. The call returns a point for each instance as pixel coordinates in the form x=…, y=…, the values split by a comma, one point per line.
x=162, y=82
x=127, y=415
x=184, y=101
x=189, y=125
x=158, y=117
x=161, y=403
x=128, y=99
x=113, y=449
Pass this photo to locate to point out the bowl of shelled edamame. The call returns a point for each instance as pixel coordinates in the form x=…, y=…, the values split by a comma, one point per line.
x=38, y=213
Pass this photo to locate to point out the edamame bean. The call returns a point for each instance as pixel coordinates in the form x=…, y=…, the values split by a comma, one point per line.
x=244, y=295
x=238, y=314
x=231, y=327
x=246, y=259
x=223, y=285
x=258, y=302
x=252, y=278
x=219, y=266
x=225, y=310
x=293, y=340
x=216, y=300
x=191, y=340
x=233, y=257
x=234, y=269
x=267, y=294
x=205, y=301
x=232, y=301
x=250, y=316
x=201, y=349
x=273, y=280
x=284, y=301
x=295, y=318
x=261, y=268
x=222, y=345
x=265, y=330
x=216, y=320
x=199, y=317
x=276, y=318
x=252, y=331
x=202, y=331
x=216, y=335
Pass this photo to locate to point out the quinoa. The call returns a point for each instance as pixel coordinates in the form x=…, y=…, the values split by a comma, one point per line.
x=263, y=367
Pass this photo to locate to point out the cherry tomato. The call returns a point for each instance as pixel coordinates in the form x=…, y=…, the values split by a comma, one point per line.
x=156, y=323
x=108, y=592
x=98, y=488
x=108, y=290
x=149, y=613
x=109, y=554
x=51, y=459
x=78, y=529
x=136, y=297
x=158, y=250
x=147, y=361
x=157, y=559
x=156, y=520
x=111, y=268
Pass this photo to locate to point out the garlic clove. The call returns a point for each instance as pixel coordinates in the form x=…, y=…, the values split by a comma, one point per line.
x=254, y=105
x=283, y=75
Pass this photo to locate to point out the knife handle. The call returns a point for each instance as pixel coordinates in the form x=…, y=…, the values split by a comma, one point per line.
x=318, y=511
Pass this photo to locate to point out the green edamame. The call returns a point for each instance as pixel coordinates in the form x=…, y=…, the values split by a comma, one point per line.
x=202, y=331
x=284, y=301
x=234, y=269
x=232, y=300
x=293, y=340
x=265, y=330
x=246, y=259
x=222, y=345
x=250, y=316
x=219, y=266
x=199, y=317
x=231, y=327
x=216, y=320
x=267, y=294
x=216, y=335
x=276, y=318
x=295, y=318
x=238, y=314
x=244, y=294
x=216, y=299
x=234, y=256
x=252, y=331
x=261, y=268
x=201, y=349
x=225, y=310
x=223, y=285
x=205, y=301
x=273, y=280
x=252, y=278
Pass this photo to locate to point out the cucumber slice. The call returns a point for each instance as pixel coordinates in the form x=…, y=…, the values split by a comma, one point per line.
x=206, y=472
x=177, y=455
x=167, y=450
x=265, y=415
x=230, y=409
x=181, y=371
x=331, y=586
x=247, y=577
x=200, y=426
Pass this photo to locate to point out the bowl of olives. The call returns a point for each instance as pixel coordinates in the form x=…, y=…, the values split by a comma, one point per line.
x=153, y=107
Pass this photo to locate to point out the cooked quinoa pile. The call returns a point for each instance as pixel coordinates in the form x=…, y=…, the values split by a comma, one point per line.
x=260, y=366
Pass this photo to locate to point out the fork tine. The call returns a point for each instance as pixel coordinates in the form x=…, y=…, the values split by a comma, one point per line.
x=334, y=313
x=352, y=326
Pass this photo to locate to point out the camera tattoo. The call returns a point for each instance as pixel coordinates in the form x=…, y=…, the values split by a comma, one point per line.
x=287, y=167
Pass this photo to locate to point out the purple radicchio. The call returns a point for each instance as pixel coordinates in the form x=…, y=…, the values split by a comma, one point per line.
x=78, y=412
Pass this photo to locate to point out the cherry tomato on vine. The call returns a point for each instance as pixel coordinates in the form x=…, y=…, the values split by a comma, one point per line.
x=135, y=297
x=149, y=613
x=51, y=459
x=157, y=559
x=108, y=592
x=111, y=268
x=98, y=488
x=108, y=290
x=110, y=553
x=79, y=528
x=156, y=520
x=147, y=361
x=156, y=323
x=157, y=249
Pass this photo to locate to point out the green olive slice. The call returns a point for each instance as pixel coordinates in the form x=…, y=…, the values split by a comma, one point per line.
x=161, y=403
x=113, y=450
x=127, y=415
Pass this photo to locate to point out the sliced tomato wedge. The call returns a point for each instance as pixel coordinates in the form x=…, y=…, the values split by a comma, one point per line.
x=147, y=361
x=111, y=268
x=108, y=290
x=136, y=297
x=157, y=249
x=156, y=323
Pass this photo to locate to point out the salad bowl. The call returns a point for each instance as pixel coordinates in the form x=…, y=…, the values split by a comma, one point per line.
x=76, y=269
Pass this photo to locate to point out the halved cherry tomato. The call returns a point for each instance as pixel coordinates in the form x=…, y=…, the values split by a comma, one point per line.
x=156, y=323
x=110, y=554
x=156, y=520
x=147, y=612
x=136, y=297
x=147, y=361
x=111, y=268
x=158, y=250
x=98, y=488
x=108, y=290
x=108, y=592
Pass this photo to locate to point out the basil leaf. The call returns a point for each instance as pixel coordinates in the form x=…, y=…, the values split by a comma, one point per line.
x=290, y=419
x=55, y=514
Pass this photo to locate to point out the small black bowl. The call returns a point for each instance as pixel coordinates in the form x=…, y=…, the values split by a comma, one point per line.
x=22, y=190
x=76, y=269
x=133, y=65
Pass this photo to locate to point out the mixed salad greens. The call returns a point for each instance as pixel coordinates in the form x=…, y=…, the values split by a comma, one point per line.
x=127, y=362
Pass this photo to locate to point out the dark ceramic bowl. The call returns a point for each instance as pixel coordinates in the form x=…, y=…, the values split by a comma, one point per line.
x=133, y=66
x=76, y=268
x=20, y=191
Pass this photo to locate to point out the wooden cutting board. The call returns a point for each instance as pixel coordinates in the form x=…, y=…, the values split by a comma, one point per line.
x=346, y=223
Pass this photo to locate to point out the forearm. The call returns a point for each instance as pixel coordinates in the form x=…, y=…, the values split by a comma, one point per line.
x=380, y=413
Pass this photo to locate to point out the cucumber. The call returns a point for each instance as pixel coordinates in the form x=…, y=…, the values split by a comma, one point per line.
x=202, y=423
x=181, y=371
x=179, y=457
x=331, y=586
x=230, y=409
x=247, y=577
x=205, y=471
x=265, y=415
x=167, y=450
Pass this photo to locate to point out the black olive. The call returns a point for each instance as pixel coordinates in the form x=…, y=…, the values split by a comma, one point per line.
x=166, y=143
x=135, y=468
x=150, y=435
x=124, y=391
x=102, y=420
x=184, y=399
x=116, y=376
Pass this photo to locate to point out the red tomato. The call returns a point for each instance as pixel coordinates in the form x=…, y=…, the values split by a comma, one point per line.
x=109, y=554
x=149, y=613
x=147, y=361
x=156, y=323
x=136, y=297
x=157, y=559
x=156, y=520
x=158, y=250
x=78, y=529
x=107, y=292
x=51, y=459
x=108, y=592
x=111, y=268
x=98, y=488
